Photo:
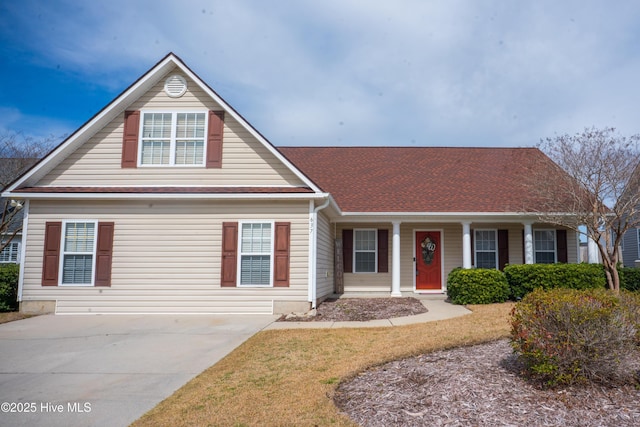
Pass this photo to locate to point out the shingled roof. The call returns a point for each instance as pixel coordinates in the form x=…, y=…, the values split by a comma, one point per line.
x=423, y=179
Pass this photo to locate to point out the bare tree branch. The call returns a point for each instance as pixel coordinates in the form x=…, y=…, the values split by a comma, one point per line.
x=17, y=154
x=599, y=187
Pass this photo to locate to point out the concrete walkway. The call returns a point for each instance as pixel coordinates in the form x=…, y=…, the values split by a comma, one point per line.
x=437, y=309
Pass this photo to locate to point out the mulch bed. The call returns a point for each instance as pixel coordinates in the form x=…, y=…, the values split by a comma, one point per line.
x=361, y=309
x=480, y=386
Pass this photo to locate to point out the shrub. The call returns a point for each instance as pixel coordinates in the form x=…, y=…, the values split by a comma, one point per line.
x=9, y=287
x=477, y=286
x=630, y=278
x=525, y=278
x=567, y=336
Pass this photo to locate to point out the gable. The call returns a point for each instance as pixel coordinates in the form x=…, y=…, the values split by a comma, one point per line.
x=93, y=155
x=98, y=162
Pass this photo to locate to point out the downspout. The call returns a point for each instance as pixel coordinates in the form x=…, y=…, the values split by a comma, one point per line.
x=23, y=247
x=313, y=261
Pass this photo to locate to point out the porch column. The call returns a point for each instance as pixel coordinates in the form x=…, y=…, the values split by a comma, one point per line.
x=528, y=243
x=466, y=245
x=395, y=261
x=592, y=251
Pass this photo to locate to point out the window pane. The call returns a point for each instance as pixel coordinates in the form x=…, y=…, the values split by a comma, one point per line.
x=256, y=238
x=486, y=260
x=485, y=240
x=255, y=270
x=190, y=125
x=77, y=269
x=156, y=125
x=365, y=262
x=79, y=237
x=365, y=240
x=545, y=240
x=155, y=153
x=189, y=152
x=545, y=257
x=9, y=253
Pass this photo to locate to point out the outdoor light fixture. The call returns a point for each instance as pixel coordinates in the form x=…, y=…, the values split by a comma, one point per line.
x=16, y=204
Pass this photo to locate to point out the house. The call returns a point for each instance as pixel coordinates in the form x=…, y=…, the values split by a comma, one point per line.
x=10, y=253
x=630, y=248
x=169, y=201
x=11, y=211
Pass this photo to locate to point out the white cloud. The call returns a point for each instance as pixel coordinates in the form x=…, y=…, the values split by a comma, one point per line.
x=363, y=72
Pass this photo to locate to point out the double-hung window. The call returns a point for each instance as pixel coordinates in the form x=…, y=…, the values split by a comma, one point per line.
x=78, y=253
x=544, y=246
x=173, y=138
x=256, y=253
x=365, y=251
x=486, y=249
x=10, y=253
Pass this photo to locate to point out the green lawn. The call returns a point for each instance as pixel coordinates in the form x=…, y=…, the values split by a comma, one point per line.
x=288, y=377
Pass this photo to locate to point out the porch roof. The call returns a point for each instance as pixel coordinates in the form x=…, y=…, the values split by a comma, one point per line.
x=424, y=179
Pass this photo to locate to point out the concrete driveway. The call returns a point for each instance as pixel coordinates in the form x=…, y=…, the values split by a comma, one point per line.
x=107, y=370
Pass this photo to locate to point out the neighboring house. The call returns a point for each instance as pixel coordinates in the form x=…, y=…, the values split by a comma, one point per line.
x=169, y=201
x=11, y=252
x=630, y=248
x=10, y=168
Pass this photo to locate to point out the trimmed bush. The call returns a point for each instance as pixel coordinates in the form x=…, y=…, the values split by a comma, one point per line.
x=477, y=286
x=9, y=287
x=630, y=278
x=568, y=336
x=525, y=278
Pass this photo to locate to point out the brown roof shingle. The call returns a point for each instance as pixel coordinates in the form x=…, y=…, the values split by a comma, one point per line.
x=422, y=179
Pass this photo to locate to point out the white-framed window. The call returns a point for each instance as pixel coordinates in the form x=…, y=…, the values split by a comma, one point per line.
x=256, y=254
x=78, y=253
x=172, y=138
x=486, y=248
x=365, y=250
x=10, y=253
x=544, y=246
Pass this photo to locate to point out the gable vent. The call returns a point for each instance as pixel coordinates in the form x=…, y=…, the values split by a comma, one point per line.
x=175, y=86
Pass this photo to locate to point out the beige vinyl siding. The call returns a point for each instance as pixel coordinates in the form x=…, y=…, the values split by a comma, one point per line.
x=245, y=161
x=367, y=282
x=324, y=256
x=166, y=257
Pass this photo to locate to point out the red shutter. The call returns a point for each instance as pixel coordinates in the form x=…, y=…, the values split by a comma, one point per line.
x=347, y=250
x=104, y=251
x=229, y=254
x=383, y=251
x=130, y=139
x=503, y=248
x=281, y=254
x=51, y=257
x=214, y=139
x=561, y=245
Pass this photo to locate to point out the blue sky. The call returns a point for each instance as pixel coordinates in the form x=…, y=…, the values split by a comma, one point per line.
x=337, y=72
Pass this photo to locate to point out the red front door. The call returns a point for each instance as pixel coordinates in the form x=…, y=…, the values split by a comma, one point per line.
x=428, y=260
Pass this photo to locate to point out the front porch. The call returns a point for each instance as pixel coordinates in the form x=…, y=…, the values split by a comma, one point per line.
x=411, y=257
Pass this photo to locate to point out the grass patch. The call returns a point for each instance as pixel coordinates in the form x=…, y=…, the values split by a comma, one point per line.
x=288, y=377
x=10, y=316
